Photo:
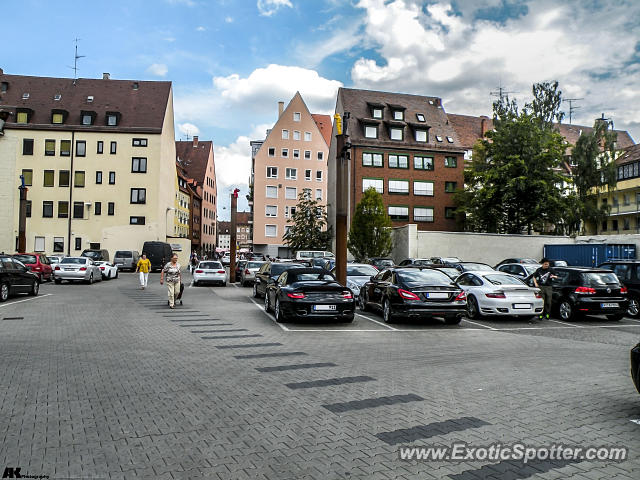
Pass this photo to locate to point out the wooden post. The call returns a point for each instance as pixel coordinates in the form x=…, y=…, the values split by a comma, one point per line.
x=232, y=263
x=342, y=199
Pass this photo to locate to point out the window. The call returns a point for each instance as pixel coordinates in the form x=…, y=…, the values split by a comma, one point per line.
x=136, y=220
x=372, y=160
x=63, y=209
x=81, y=148
x=370, y=131
x=138, y=195
x=63, y=178
x=272, y=191
x=289, y=212
x=377, y=183
x=57, y=118
x=423, y=188
x=291, y=193
x=450, y=139
x=420, y=117
x=49, y=147
x=296, y=135
x=318, y=194
x=296, y=154
x=450, y=162
x=49, y=176
x=398, y=115
x=27, y=174
x=450, y=187
x=78, y=243
x=423, y=214
x=291, y=173
x=423, y=163
x=614, y=225
x=376, y=112
x=87, y=119
x=307, y=136
x=138, y=165
x=626, y=224
x=113, y=148
x=285, y=134
x=271, y=210
x=58, y=244
x=307, y=154
x=396, y=133
x=22, y=117
x=319, y=175
x=112, y=178
x=439, y=138
x=112, y=119
x=100, y=147
x=296, y=116
x=270, y=230
x=47, y=209
x=97, y=208
x=78, y=210
x=111, y=206
x=272, y=172
x=398, y=213
x=421, y=135
x=307, y=175
x=65, y=148
x=272, y=152
x=78, y=179
x=320, y=155
x=398, y=161
x=38, y=246
x=98, y=177
x=399, y=186
x=27, y=146
x=139, y=142
x=449, y=212
x=28, y=209
x=284, y=153
x=626, y=201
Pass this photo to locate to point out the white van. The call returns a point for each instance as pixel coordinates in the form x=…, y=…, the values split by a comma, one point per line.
x=309, y=254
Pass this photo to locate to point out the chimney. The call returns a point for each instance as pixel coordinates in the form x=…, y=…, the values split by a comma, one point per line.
x=484, y=125
x=195, y=141
x=280, y=108
x=1, y=71
x=106, y=76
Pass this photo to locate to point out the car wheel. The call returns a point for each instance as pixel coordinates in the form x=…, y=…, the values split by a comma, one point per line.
x=617, y=317
x=278, y=312
x=452, y=319
x=195, y=283
x=267, y=307
x=90, y=279
x=4, y=292
x=387, y=313
x=473, y=310
x=348, y=319
x=58, y=281
x=117, y=272
x=565, y=309
x=362, y=303
x=634, y=307
x=255, y=291
x=35, y=288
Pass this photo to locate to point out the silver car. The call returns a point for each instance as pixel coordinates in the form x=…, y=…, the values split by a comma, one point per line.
x=79, y=269
x=357, y=275
x=248, y=274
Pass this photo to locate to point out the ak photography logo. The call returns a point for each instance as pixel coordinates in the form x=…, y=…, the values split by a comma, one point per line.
x=15, y=472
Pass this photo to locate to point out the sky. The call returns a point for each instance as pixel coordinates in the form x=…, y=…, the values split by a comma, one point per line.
x=231, y=61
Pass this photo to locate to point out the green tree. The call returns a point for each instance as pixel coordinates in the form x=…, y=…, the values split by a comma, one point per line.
x=308, y=230
x=515, y=183
x=370, y=233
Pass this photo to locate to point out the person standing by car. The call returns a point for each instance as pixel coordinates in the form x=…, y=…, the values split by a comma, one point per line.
x=542, y=279
x=174, y=277
x=143, y=266
x=193, y=261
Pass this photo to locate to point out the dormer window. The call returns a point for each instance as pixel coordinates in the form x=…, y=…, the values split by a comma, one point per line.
x=88, y=117
x=25, y=96
x=439, y=138
x=421, y=135
x=450, y=139
x=57, y=97
x=371, y=131
x=376, y=112
x=398, y=115
x=90, y=99
x=4, y=86
x=420, y=117
x=58, y=117
x=23, y=115
x=396, y=133
x=113, y=119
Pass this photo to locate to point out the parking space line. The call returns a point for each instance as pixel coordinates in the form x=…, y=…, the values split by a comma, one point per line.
x=26, y=300
x=376, y=321
x=565, y=323
x=261, y=308
x=477, y=323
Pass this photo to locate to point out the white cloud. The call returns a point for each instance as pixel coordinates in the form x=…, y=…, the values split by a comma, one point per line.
x=158, y=69
x=228, y=19
x=188, y=129
x=269, y=7
x=188, y=3
x=200, y=28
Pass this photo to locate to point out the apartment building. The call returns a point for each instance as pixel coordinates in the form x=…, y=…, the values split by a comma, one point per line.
x=190, y=187
x=97, y=157
x=244, y=229
x=292, y=158
x=197, y=158
x=403, y=146
x=182, y=215
x=224, y=235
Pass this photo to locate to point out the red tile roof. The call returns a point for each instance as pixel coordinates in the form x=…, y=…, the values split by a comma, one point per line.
x=631, y=154
x=324, y=125
x=194, y=157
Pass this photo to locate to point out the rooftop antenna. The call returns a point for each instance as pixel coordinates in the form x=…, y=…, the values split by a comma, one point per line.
x=500, y=92
x=75, y=60
x=571, y=107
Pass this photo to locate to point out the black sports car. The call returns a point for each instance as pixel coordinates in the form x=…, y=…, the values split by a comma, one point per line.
x=414, y=292
x=635, y=366
x=309, y=293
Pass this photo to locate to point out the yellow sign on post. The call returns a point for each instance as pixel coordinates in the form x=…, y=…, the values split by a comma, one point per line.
x=338, y=120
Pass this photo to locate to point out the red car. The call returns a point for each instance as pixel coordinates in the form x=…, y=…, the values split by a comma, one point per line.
x=38, y=263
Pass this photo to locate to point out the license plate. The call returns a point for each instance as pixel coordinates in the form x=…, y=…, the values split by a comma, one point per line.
x=521, y=305
x=609, y=305
x=69, y=269
x=437, y=295
x=324, y=307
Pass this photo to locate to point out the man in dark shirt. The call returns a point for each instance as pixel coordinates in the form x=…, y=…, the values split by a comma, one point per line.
x=542, y=279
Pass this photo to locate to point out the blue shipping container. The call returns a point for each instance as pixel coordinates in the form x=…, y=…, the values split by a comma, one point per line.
x=590, y=254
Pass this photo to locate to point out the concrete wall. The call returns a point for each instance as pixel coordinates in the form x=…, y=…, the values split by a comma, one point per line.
x=9, y=196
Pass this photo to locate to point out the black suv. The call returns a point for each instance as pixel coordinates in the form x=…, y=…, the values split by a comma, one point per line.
x=628, y=272
x=268, y=274
x=588, y=291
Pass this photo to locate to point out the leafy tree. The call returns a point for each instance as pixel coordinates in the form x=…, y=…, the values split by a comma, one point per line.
x=514, y=183
x=370, y=233
x=308, y=230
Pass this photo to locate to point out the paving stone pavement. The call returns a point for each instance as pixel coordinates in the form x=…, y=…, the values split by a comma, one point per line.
x=104, y=381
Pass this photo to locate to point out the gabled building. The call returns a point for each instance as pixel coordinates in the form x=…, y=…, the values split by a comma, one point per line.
x=291, y=159
x=244, y=230
x=403, y=146
x=191, y=193
x=224, y=235
x=97, y=157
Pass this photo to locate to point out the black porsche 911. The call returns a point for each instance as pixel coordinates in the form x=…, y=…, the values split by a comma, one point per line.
x=309, y=293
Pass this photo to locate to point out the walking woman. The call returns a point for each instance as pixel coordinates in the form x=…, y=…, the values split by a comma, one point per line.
x=143, y=266
x=174, y=277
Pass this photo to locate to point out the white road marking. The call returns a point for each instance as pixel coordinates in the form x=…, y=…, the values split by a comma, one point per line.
x=636, y=421
x=268, y=314
x=565, y=323
x=376, y=321
x=477, y=323
x=26, y=300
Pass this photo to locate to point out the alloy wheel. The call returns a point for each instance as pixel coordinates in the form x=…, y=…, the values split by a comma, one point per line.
x=386, y=311
x=634, y=307
x=266, y=302
x=277, y=310
x=35, y=288
x=4, y=292
x=566, y=311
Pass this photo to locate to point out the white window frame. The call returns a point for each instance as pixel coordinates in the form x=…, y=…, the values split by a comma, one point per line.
x=309, y=177
x=370, y=131
x=267, y=191
x=307, y=154
x=288, y=171
x=271, y=211
x=418, y=191
x=284, y=153
x=398, y=115
x=285, y=134
x=307, y=136
x=287, y=191
x=39, y=244
x=376, y=112
x=296, y=116
x=296, y=153
x=296, y=135
x=271, y=149
x=321, y=175
x=320, y=156
x=421, y=135
x=393, y=133
x=266, y=230
x=270, y=175
x=377, y=183
x=318, y=194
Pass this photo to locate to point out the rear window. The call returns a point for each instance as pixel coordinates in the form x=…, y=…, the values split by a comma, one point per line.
x=309, y=277
x=502, y=279
x=73, y=260
x=476, y=266
x=91, y=254
x=360, y=271
x=124, y=254
x=596, y=279
x=211, y=265
x=278, y=268
x=30, y=259
x=451, y=272
x=254, y=264
x=421, y=277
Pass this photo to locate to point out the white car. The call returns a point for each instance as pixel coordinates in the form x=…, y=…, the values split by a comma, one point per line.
x=357, y=275
x=209, y=271
x=109, y=270
x=498, y=293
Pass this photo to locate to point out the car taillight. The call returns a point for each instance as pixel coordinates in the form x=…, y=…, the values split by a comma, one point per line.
x=57, y=268
x=461, y=296
x=295, y=295
x=247, y=272
x=82, y=269
x=495, y=295
x=221, y=271
x=199, y=271
x=101, y=268
x=538, y=294
x=623, y=290
x=407, y=295
x=347, y=294
x=586, y=290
